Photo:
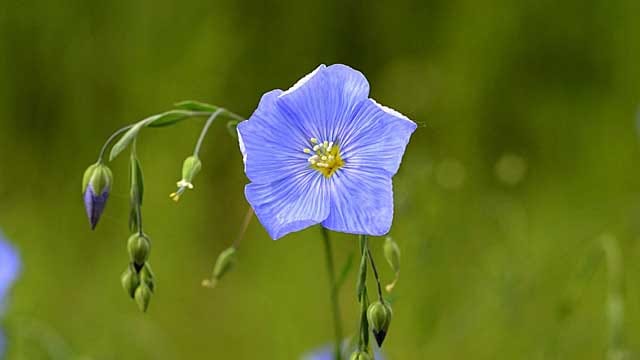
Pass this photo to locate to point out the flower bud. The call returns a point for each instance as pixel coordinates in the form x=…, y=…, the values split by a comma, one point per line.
x=143, y=297
x=139, y=247
x=96, y=184
x=190, y=168
x=360, y=355
x=379, y=316
x=224, y=263
x=147, y=277
x=130, y=281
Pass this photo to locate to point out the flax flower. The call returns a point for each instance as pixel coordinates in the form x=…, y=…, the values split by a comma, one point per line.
x=323, y=152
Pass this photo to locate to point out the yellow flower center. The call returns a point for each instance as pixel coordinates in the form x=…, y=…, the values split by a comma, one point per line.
x=325, y=156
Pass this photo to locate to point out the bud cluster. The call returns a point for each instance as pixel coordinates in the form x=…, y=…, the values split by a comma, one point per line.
x=138, y=279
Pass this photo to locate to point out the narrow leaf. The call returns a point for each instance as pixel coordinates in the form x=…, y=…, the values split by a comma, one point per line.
x=169, y=118
x=137, y=182
x=126, y=139
x=193, y=105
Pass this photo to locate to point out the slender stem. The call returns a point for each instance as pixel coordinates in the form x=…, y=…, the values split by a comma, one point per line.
x=233, y=115
x=335, y=307
x=375, y=272
x=137, y=205
x=111, y=138
x=243, y=228
x=205, y=129
x=363, y=343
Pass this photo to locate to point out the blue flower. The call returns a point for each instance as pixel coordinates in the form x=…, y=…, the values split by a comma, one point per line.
x=9, y=269
x=323, y=152
x=326, y=353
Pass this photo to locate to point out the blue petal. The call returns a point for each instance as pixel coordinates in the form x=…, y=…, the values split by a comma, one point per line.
x=327, y=352
x=270, y=144
x=290, y=204
x=361, y=202
x=324, y=101
x=376, y=138
x=9, y=267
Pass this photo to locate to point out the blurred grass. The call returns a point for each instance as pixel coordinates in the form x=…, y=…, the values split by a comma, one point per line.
x=490, y=270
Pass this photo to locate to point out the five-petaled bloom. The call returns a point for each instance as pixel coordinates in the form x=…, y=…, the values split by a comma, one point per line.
x=323, y=152
x=9, y=269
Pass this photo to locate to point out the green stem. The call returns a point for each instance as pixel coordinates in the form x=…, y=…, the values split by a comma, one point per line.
x=110, y=139
x=205, y=129
x=363, y=343
x=375, y=272
x=335, y=307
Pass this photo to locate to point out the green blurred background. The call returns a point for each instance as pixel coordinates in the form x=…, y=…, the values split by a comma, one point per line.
x=526, y=156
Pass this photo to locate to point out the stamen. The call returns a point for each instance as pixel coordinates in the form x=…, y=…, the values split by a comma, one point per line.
x=325, y=157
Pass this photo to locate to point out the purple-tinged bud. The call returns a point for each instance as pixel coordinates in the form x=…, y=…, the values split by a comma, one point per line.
x=96, y=184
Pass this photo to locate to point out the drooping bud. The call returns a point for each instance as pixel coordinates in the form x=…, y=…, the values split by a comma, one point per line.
x=96, y=184
x=147, y=277
x=139, y=247
x=224, y=263
x=143, y=297
x=130, y=281
x=360, y=355
x=190, y=168
x=392, y=254
x=379, y=315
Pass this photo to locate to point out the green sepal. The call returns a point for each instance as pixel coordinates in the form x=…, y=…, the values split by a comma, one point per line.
x=360, y=355
x=130, y=280
x=170, y=118
x=87, y=176
x=143, y=297
x=99, y=176
x=139, y=247
x=225, y=262
x=379, y=316
x=190, y=168
x=147, y=277
x=193, y=105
